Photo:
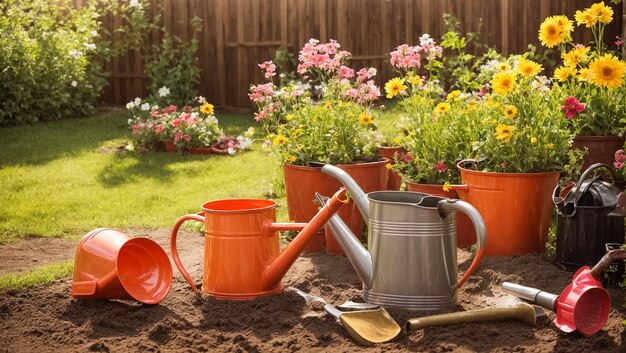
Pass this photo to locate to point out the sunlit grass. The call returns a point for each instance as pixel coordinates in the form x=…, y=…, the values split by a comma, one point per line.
x=62, y=179
x=40, y=275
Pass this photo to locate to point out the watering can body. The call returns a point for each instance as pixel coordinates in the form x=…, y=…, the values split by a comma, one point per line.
x=412, y=258
x=242, y=258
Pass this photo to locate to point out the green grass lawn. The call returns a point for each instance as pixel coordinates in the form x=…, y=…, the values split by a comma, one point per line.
x=64, y=178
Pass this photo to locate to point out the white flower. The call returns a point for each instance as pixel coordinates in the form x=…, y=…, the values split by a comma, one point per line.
x=211, y=119
x=130, y=147
x=145, y=106
x=90, y=46
x=94, y=33
x=130, y=121
x=137, y=101
x=74, y=53
x=372, y=71
x=231, y=151
x=136, y=4
x=201, y=100
x=74, y=83
x=244, y=142
x=164, y=91
x=130, y=105
x=426, y=40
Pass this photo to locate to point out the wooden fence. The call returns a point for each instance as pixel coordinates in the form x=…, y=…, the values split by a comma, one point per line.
x=239, y=34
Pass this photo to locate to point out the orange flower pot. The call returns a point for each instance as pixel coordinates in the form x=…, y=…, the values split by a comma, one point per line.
x=465, y=234
x=111, y=265
x=242, y=259
x=393, y=179
x=516, y=207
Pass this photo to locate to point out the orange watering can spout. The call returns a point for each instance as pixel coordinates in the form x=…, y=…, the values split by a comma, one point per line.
x=277, y=269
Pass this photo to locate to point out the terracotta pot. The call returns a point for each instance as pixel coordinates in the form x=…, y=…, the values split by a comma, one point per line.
x=516, y=208
x=301, y=183
x=169, y=146
x=465, y=234
x=393, y=179
x=601, y=149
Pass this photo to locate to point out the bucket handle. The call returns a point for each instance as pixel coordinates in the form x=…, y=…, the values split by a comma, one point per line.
x=174, y=249
x=448, y=206
x=584, y=176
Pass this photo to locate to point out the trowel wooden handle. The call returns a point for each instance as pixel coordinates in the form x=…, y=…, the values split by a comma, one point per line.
x=521, y=311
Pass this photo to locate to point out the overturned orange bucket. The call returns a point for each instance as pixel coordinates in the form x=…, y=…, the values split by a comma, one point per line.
x=111, y=265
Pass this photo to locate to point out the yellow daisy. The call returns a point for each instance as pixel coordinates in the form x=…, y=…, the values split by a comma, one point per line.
x=279, y=140
x=504, y=132
x=584, y=75
x=564, y=72
x=565, y=24
x=415, y=80
x=607, y=71
x=395, y=86
x=527, y=68
x=575, y=56
x=510, y=111
x=207, y=108
x=452, y=95
x=601, y=12
x=504, y=67
x=551, y=32
x=503, y=82
x=365, y=119
x=388, y=166
x=446, y=186
x=586, y=18
x=442, y=107
x=291, y=159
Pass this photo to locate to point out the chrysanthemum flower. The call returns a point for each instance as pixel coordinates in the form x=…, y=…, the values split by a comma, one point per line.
x=584, y=74
x=564, y=72
x=279, y=140
x=575, y=56
x=503, y=82
x=365, y=119
x=601, y=12
x=395, y=86
x=504, y=133
x=207, y=108
x=527, y=68
x=607, y=71
x=554, y=30
x=586, y=18
x=442, y=107
x=510, y=111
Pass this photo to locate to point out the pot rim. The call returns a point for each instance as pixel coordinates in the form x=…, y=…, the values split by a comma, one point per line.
x=504, y=175
x=382, y=161
x=269, y=204
x=599, y=137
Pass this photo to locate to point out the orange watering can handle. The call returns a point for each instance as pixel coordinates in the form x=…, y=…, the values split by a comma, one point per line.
x=174, y=250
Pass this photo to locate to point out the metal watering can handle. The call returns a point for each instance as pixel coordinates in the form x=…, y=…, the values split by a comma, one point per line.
x=448, y=206
x=586, y=173
x=174, y=250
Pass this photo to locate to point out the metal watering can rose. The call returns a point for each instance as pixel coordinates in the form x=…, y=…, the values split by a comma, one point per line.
x=242, y=259
x=412, y=262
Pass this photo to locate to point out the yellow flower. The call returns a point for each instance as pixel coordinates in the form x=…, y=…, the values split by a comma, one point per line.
x=504, y=132
x=327, y=105
x=388, y=166
x=395, y=86
x=584, y=74
x=442, y=107
x=396, y=140
x=586, y=18
x=533, y=140
x=552, y=31
x=279, y=140
x=207, y=108
x=365, y=119
x=575, y=56
x=527, y=68
x=503, y=82
x=446, y=186
x=549, y=146
x=565, y=24
x=607, y=71
x=452, y=95
x=504, y=67
x=601, y=12
x=415, y=80
x=290, y=117
x=510, y=111
x=291, y=159
x=471, y=105
x=564, y=72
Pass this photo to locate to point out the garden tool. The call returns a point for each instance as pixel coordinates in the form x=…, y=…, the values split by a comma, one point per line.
x=242, y=259
x=583, y=305
x=354, y=305
x=412, y=262
x=590, y=214
x=366, y=326
x=111, y=265
x=521, y=311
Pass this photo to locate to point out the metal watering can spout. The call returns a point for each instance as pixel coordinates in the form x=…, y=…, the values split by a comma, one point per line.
x=358, y=256
x=278, y=267
x=360, y=198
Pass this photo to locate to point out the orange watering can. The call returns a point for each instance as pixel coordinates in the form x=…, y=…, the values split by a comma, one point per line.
x=242, y=259
x=111, y=265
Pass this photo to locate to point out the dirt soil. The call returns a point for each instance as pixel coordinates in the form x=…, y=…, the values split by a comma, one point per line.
x=47, y=319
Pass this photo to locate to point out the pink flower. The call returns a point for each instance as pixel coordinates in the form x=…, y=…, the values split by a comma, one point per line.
x=136, y=128
x=619, y=42
x=154, y=114
x=406, y=57
x=269, y=67
x=170, y=109
x=407, y=158
x=178, y=136
x=176, y=122
x=440, y=167
x=571, y=107
x=187, y=137
x=159, y=129
x=345, y=72
x=620, y=156
x=503, y=164
x=618, y=165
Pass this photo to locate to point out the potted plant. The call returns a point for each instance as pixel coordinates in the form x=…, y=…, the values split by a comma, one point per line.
x=595, y=77
x=325, y=117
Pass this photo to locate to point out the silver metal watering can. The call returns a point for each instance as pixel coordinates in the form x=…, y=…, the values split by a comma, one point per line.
x=412, y=262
